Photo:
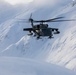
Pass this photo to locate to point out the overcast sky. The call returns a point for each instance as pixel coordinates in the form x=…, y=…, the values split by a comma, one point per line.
x=37, y=2
x=13, y=2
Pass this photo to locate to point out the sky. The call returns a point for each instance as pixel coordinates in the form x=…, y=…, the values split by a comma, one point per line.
x=13, y=2
x=37, y=2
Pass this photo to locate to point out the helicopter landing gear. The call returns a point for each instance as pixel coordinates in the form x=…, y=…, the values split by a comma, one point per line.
x=51, y=37
x=30, y=33
x=34, y=35
x=38, y=37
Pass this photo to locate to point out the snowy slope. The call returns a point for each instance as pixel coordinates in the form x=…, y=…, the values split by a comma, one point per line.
x=60, y=50
x=22, y=66
x=63, y=50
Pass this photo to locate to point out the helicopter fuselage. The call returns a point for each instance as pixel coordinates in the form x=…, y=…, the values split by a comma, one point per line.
x=40, y=26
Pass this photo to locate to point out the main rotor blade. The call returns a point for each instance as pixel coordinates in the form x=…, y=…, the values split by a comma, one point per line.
x=23, y=21
x=20, y=19
x=63, y=20
x=54, y=19
x=49, y=19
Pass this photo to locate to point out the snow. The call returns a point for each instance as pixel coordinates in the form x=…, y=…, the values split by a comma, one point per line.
x=21, y=54
x=22, y=66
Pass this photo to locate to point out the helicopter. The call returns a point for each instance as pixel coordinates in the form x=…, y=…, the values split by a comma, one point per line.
x=43, y=29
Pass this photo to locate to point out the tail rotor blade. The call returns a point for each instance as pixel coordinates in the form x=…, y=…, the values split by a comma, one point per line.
x=31, y=16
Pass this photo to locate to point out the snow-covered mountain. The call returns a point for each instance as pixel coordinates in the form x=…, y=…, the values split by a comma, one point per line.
x=16, y=45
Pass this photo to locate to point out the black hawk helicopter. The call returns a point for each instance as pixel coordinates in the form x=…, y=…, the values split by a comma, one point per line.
x=42, y=29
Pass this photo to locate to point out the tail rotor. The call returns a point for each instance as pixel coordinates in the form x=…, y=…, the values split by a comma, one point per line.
x=31, y=20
